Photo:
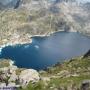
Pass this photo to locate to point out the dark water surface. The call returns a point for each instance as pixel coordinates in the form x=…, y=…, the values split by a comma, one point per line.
x=46, y=51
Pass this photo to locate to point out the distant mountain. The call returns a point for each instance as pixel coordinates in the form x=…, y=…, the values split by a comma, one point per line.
x=41, y=17
x=5, y=4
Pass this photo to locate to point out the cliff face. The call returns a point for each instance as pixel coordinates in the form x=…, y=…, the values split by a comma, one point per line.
x=21, y=19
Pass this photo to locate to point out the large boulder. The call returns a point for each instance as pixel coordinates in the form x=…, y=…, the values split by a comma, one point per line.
x=28, y=75
x=85, y=85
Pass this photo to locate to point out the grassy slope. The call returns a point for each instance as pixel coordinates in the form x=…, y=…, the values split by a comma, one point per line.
x=79, y=67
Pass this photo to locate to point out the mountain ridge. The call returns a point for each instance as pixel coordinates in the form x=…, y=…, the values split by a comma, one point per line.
x=42, y=18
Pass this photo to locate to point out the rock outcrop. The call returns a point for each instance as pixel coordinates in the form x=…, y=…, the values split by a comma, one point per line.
x=87, y=54
x=29, y=75
x=11, y=76
x=85, y=85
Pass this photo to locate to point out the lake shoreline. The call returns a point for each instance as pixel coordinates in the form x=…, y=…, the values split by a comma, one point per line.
x=43, y=46
x=30, y=41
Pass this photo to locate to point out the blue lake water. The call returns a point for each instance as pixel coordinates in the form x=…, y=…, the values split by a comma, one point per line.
x=47, y=51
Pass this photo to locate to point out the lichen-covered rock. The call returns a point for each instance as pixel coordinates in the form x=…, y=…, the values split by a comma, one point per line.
x=29, y=75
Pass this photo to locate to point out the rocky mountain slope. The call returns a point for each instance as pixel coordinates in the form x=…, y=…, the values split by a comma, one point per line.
x=22, y=19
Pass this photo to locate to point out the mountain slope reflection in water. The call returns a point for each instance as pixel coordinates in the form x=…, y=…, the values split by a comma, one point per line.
x=46, y=51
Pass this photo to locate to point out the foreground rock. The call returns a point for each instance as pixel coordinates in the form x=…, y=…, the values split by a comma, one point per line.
x=85, y=85
x=13, y=77
x=28, y=75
